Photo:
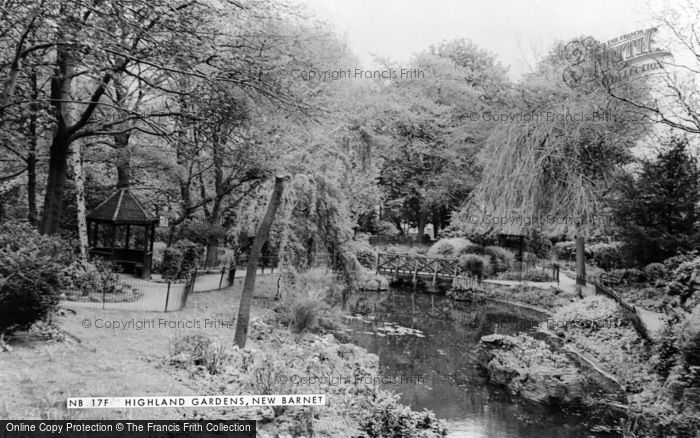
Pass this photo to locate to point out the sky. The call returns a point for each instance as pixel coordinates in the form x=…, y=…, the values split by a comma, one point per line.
x=516, y=31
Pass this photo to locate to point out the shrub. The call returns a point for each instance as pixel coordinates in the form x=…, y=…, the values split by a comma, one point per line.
x=387, y=418
x=565, y=250
x=595, y=308
x=672, y=263
x=537, y=275
x=364, y=252
x=476, y=265
x=501, y=258
x=31, y=276
x=385, y=228
x=682, y=279
x=471, y=248
x=665, y=353
x=190, y=255
x=635, y=275
x=98, y=276
x=180, y=259
x=172, y=261
x=306, y=309
x=689, y=338
x=655, y=271
x=606, y=255
x=448, y=247
x=539, y=245
x=16, y=236
x=530, y=259
x=200, y=351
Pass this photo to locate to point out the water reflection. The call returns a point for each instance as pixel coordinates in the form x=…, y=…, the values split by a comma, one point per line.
x=427, y=355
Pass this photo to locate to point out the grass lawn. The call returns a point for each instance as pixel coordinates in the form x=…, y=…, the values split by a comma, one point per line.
x=38, y=376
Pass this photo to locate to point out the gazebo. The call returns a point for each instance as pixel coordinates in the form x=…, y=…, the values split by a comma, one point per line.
x=122, y=231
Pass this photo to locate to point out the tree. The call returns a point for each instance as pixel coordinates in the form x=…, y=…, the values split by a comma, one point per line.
x=429, y=168
x=657, y=213
x=556, y=163
x=90, y=59
x=20, y=35
x=674, y=102
x=237, y=133
x=251, y=268
x=79, y=179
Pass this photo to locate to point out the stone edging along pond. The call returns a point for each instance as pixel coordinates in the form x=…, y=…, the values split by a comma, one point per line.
x=581, y=357
x=581, y=378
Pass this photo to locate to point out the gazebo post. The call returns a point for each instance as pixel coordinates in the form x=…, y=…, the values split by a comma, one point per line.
x=128, y=236
x=112, y=240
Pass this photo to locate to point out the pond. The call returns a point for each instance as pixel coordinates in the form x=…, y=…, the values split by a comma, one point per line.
x=425, y=345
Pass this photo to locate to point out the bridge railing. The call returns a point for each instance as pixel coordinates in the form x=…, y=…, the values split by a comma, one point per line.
x=418, y=266
x=434, y=268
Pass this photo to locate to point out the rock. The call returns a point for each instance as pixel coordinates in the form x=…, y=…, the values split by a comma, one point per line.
x=529, y=369
x=673, y=390
x=689, y=340
x=371, y=285
x=547, y=385
x=346, y=351
x=259, y=413
x=501, y=374
x=691, y=400
x=182, y=357
x=499, y=341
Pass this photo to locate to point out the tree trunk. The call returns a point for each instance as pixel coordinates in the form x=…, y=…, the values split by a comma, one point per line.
x=80, y=199
x=60, y=145
x=171, y=234
x=398, y=224
x=310, y=251
x=351, y=269
x=436, y=222
x=214, y=238
x=64, y=134
x=249, y=285
x=422, y=222
x=31, y=156
x=55, y=182
x=31, y=184
x=212, y=259
x=121, y=142
x=580, y=261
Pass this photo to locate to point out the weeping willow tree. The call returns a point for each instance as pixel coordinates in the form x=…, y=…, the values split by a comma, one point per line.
x=316, y=218
x=550, y=174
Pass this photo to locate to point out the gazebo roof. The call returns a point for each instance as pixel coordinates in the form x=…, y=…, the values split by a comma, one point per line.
x=122, y=207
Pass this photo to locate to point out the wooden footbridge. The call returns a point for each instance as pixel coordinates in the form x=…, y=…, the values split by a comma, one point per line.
x=430, y=270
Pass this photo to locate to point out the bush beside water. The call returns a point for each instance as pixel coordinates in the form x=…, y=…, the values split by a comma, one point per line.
x=449, y=248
